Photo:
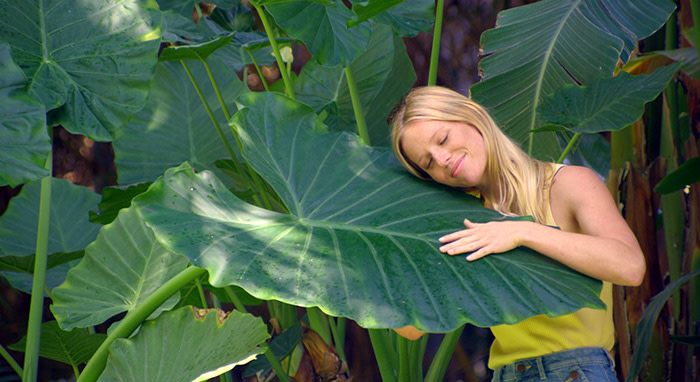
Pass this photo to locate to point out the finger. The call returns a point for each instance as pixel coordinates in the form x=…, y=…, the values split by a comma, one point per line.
x=464, y=248
x=469, y=224
x=463, y=242
x=479, y=254
x=454, y=236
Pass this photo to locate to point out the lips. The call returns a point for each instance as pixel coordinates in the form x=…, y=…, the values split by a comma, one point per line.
x=457, y=166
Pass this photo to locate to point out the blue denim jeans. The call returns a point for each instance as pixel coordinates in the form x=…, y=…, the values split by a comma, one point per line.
x=582, y=364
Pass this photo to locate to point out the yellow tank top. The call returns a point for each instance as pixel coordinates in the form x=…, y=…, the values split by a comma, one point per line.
x=540, y=335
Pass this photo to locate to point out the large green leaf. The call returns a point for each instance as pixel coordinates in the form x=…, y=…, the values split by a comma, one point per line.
x=174, y=126
x=383, y=74
x=74, y=347
x=198, y=51
x=407, y=19
x=70, y=229
x=608, y=104
x=93, y=59
x=322, y=27
x=537, y=48
x=24, y=279
x=186, y=345
x=24, y=143
x=119, y=270
x=685, y=174
x=361, y=239
x=114, y=199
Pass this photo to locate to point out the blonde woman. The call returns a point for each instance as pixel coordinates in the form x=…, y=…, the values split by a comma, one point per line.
x=441, y=135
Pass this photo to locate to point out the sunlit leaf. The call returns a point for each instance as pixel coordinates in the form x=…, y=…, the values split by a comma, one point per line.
x=186, y=345
x=24, y=142
x=92, y=60
x=174, y=126
x=361, y=239
x=119, y=270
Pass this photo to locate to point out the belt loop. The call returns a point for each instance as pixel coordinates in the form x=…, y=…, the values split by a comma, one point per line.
x=540, y=368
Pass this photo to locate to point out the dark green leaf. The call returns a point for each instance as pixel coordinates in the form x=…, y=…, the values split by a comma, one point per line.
x=688, y=57
x=115, y=199
x=70, y=228
x=537, y=48
x=383, y=74
x=361, y=239
x=411, y=18
x=174, y=126
x=24, y=143
x=688, y=340
x=685, y=174
x=247, y=44
x=281, y=346
x=608, y=104
x=645, y=328
x=322, y=28
x=365, y=10
x=74, y=347
x=120, y=269
x=214, y=344
x=24, y=280
x=186, y=7
x=93, y=60
x=198, y=51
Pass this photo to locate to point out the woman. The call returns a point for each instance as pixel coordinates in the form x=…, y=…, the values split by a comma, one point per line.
x=441, y=135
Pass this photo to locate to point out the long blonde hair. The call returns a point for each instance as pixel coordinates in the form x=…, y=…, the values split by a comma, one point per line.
x=518, y=184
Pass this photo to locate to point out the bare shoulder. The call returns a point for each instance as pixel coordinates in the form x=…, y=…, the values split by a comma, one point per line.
x=579, y=186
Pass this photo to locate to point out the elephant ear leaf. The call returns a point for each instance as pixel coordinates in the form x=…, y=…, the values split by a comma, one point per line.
x=91, y=60
x=361, y=237
x=187, y=344
x=538, y=48
x=24, y=143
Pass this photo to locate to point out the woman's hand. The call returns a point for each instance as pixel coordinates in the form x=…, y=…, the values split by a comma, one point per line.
x=484, y=238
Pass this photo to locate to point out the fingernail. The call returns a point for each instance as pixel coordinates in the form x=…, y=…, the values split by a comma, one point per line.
x=441, y=239
x=470, y=258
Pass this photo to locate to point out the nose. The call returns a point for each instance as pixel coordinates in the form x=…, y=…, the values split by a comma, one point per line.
x=441, y=157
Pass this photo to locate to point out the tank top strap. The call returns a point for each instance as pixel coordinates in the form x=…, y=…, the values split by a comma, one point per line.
x=548, y=207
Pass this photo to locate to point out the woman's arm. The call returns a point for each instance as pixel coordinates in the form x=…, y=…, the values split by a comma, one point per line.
x=602, y=246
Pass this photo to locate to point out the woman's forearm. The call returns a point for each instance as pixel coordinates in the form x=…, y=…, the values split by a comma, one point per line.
x=600, y=257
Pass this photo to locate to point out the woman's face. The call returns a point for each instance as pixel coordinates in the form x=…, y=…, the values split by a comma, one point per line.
x=452, y=153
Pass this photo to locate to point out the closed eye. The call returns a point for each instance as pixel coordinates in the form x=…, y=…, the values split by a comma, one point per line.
x=444, y=140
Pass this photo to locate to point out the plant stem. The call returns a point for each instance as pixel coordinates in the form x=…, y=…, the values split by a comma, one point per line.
x=275, y=49
x=235, y=300
x=435, y=52
x=276, y=366
x=202, y=296
x=257, y=69
x=209, y=112
x=695, y=11
x=442, y=358
x=357, y=107
x=11, y=361
x=134, y=318
x=383, y=353
x=338, y=332
x=405, y=360
x=319, y=323
x=224, y=108
x=569, y=146
x=36, y=305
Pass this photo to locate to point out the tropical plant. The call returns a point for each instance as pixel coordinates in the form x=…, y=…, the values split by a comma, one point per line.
x=285, y=196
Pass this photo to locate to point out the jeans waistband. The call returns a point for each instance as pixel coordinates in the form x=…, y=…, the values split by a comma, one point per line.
x=553, y=361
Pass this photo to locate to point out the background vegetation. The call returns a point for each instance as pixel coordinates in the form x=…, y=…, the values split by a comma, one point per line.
x=163, y=81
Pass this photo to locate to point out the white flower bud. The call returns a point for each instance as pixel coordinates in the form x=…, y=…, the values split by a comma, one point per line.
x=286, y=53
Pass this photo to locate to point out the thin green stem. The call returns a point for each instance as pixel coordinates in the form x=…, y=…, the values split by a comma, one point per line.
x=319, y=323
x=11, y=361
x=215, y=85
x=338, y=332
x=275, y=49
x=435, y=52
x=569, y=146
x=219, y=131
x=405, y=360
x=36, y=305
x=384, y=353
x=76, y=372
x=438, y=367
x=257, y=69
x=202, y=296
x=134, y=318
x=235, y=300
x=276, y=366
x=357, y=107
